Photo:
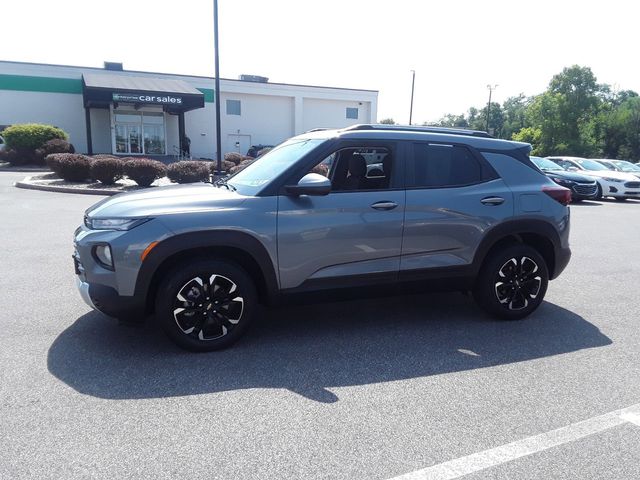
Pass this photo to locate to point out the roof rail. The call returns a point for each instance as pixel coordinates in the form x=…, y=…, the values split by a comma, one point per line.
x=319, y=129
x=415, y=128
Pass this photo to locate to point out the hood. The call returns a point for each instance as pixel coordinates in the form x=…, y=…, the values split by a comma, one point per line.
x=573, y=176
x=627, y=177
x=166, y=200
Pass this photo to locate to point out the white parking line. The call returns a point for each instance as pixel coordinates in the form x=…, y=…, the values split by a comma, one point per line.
x=527, y=446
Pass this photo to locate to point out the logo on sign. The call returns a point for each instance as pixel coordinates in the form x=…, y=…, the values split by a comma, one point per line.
x=144, y=98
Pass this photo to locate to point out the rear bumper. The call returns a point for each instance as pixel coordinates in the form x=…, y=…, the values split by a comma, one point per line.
x=106, y=300
x=563, y=255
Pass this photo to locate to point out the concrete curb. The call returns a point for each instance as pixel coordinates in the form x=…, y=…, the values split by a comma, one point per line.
x=47, y=188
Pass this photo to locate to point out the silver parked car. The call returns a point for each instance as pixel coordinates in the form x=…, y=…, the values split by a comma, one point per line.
x=448, y=208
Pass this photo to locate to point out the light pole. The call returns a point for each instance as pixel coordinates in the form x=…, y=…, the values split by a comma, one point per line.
x=491, y=89
x=217, y=93
x=413, y=83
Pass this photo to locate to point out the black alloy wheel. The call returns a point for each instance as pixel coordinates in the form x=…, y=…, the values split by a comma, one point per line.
x=512, y=282
x=206, y=305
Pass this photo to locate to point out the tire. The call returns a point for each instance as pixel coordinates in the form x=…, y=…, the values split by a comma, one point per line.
x=620, y=199
x=500, y=289
x=193, y=317
x=598, y=193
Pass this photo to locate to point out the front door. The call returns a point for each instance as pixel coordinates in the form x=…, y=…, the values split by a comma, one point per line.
x=352, y=235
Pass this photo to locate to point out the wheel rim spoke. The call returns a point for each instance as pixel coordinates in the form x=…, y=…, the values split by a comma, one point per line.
x=517, y=282
x=208, y=307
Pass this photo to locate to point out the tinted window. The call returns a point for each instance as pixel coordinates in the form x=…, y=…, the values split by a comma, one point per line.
x=444, y=166
x=358, y=168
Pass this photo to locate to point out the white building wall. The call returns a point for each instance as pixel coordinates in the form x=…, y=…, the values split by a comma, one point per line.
x=100, y=130
x=64, y=110
x=320, y=113
x=271, y=112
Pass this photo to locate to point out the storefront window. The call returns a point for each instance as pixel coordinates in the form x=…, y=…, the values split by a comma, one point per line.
x=132, y=127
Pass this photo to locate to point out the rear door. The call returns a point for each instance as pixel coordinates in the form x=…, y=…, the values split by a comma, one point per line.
x=453, y=198
x=351, y=236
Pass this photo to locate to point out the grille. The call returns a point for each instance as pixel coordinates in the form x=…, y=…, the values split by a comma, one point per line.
x=632, y=184
x=585, y=189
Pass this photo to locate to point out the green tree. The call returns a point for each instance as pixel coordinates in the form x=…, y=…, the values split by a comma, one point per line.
x=453, y=121
x=621, y=130
x=388, y=121
x=515, y=115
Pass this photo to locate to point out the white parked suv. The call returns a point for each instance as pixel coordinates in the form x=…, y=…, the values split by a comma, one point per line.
x=619, y=185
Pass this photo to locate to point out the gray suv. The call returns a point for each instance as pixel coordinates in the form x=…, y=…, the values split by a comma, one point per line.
x=369, y=207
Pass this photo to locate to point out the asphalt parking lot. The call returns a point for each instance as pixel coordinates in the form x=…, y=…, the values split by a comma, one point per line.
x=366, y=389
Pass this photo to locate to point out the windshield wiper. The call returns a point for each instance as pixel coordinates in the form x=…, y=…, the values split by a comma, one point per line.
x=223, y=183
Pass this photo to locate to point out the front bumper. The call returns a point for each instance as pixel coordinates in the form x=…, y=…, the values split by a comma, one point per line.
x=83, y=288
x=106, y=300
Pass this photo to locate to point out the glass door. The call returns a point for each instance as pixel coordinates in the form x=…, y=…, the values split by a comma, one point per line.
x=139, y=133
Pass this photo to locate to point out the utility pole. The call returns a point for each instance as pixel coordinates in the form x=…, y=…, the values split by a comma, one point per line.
x=491, y=89
x=217, y=93
x=413, y=83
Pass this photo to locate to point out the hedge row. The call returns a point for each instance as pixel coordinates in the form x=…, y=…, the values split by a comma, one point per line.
x=108, y=169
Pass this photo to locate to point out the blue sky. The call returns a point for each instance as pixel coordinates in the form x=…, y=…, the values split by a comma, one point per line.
x=456, y=48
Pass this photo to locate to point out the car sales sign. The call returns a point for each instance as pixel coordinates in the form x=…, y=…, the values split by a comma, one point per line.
x=162, y=99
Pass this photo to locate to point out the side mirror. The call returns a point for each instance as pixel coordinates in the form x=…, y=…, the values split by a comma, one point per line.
x=310, y=184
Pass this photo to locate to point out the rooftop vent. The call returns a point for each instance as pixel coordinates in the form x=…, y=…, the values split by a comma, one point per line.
x=116, y=66
x=253, y=78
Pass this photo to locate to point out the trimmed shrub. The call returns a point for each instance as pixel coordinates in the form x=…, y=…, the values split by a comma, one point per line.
x=242, y=165
x=189, y=171
x=144, y=171
x=53, y=160
x=57, y=145
x=11, y=156
x=73, y=167
x=226, y=166
x=30, y=136
x=104, y=155
x=234, y=157
x=107, y=170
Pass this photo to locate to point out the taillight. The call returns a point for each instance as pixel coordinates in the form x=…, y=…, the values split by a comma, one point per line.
x=559, y=194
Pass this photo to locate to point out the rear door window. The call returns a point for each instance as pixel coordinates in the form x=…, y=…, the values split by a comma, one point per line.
x=442, y=165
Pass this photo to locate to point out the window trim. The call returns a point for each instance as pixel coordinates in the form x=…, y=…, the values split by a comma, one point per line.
x=488, y=172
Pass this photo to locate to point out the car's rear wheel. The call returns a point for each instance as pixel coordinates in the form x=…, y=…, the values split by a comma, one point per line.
x=512, y=282
x=206, y=304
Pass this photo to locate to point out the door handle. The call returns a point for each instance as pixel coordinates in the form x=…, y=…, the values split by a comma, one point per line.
x=384, y=205
x=492, y=201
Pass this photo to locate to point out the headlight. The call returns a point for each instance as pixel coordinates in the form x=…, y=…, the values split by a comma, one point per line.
x=615, y=180
x=103, y=254
x=114, y=223
x=562, y=181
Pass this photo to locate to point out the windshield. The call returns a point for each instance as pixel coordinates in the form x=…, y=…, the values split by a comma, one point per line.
x=626, y=166
x=591, y=165
x=544, y=164
x=251, y=180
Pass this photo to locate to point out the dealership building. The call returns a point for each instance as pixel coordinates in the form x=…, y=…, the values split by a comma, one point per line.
x=112, y=110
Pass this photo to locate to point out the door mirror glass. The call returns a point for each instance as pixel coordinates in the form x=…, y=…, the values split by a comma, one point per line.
x=310, y=184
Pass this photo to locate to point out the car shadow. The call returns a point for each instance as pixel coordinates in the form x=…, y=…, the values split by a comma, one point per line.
x=309, y=349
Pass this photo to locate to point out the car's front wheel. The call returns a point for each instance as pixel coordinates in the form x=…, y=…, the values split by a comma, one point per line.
x=206, y=304
x=512, y=282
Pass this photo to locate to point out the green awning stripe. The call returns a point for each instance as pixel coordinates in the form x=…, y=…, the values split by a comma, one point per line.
x=40, y=84
x=26, y=83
